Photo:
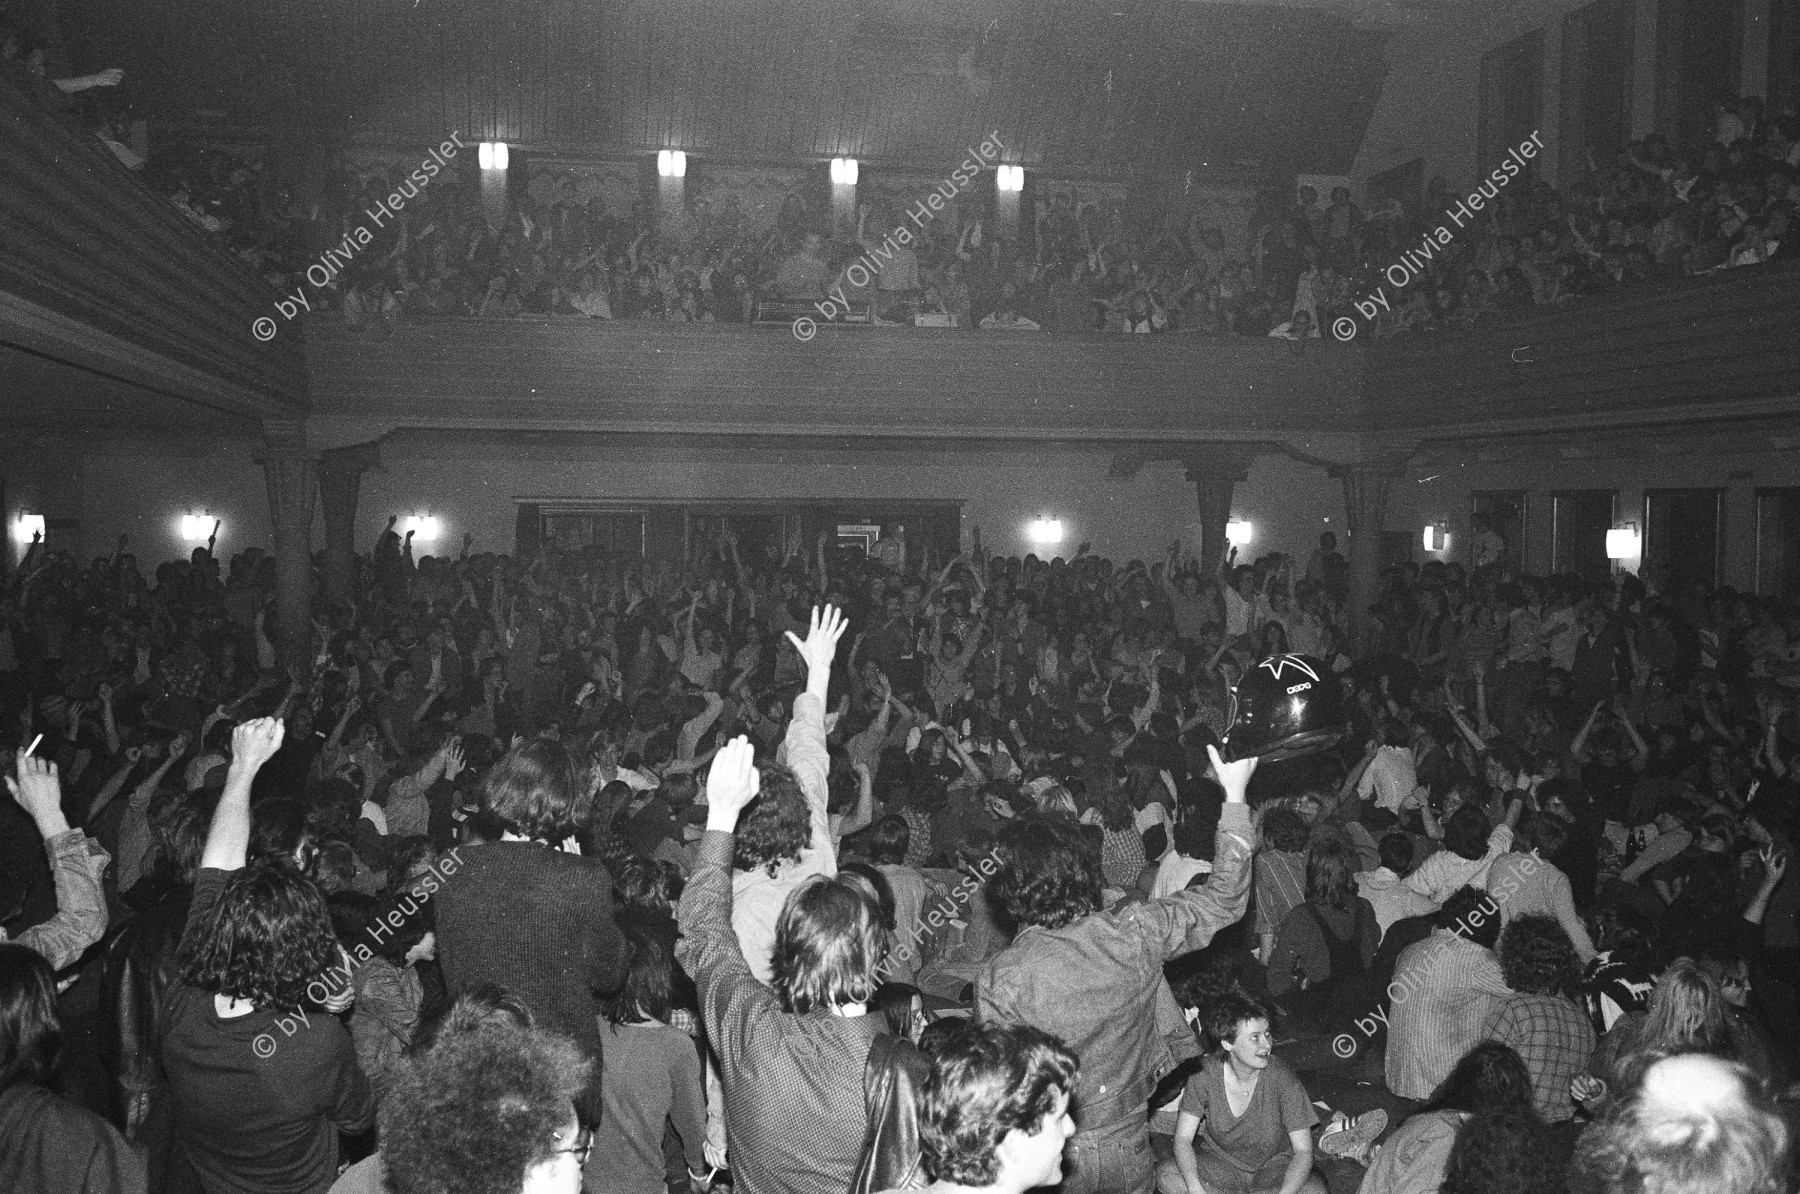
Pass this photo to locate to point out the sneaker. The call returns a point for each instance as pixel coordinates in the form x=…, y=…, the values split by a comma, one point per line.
x=1354, y=1135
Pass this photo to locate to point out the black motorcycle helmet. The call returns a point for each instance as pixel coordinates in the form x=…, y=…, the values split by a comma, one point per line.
x=1285, y=707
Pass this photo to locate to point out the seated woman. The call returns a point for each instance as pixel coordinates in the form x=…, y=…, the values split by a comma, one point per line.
x=1490, y=1078
x=1256, y=1115
x=1687, y=1013
x=1327, y=943
x=47, y=1143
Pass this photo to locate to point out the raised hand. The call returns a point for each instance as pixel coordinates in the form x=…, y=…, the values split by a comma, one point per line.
x=38, y=789
x=255, y=742
x=454, y=762
x=820, y=647
x=1233, y=777
x=731, y=783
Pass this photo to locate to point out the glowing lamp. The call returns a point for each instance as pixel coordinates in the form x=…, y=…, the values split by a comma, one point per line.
x=1622, y=542
x=492, y=155
x=843, y=171
x=424, y=527
x=1238, y=532
x=196, y=528
x=1045, y=530
x=1437, y=537
x=1010, y=178
x=671, y=163
x=27, y=528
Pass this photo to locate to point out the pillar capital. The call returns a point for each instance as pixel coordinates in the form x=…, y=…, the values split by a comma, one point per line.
x=1220, y=462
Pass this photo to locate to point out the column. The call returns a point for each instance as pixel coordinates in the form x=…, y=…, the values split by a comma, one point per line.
x=340, y=483
x=290, y=471
x=1365, y=509
x=1215, y=470
x=1738, y=565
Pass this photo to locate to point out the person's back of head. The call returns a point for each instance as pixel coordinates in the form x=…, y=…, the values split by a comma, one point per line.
x=531, y=791
x=889, y=839
x=1396, y=851
x=1285, y=830
x=649, y=977
x=1471, y=913
x=1543, y=832
x=30, y=1032
x=1695, y=1125
x=1502, y=1152
x=995, y=1103
x=1490, y=1077
x=1536, y=957
x=486, y=1111
x=265, y=939
x=1466, y=834
x=777, y=824
x=830, y=944
x=1046, y=876
x=1331, y=874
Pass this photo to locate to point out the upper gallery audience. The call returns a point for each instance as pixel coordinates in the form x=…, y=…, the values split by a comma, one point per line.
x=1653, y=210
x=619, y=791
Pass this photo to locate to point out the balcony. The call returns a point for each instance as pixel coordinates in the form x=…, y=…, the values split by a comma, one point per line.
x=886, y=383
x=116, y=312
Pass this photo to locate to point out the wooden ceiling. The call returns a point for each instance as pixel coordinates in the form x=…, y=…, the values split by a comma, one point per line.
x=1071, y=85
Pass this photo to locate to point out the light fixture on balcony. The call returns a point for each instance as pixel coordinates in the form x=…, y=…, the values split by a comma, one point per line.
x=196, y=528
x=424, y=528
x=1009, y=178
x=1238, y=532
x=1437, y=536
x=492, y=155
x=844, y=171
x=27, y=528
x=1622, y=542
x=1045, y=531
x=671, y=163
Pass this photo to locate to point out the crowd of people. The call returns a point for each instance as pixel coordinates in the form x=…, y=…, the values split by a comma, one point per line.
x=801, y=870
x=1654, y=211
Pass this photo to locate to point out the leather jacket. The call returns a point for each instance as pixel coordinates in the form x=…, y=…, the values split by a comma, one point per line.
x=893, y=1082
x=138, y=968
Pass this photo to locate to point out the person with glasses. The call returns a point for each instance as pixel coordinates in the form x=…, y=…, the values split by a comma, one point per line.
x=488, y=1111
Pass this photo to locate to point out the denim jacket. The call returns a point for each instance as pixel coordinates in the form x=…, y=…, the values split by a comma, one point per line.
x=1098, y=983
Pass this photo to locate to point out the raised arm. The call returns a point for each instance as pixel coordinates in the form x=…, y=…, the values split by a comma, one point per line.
x=804, y=746
x=1187, y=920
x=80, y=918
x=228, y=838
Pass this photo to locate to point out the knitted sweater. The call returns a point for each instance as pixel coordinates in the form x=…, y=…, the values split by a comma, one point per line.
x=539, y=923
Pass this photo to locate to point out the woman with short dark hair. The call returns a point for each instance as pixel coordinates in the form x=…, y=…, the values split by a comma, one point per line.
x=1327, y=943
x=1249, y=1110
x=48, y=1145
